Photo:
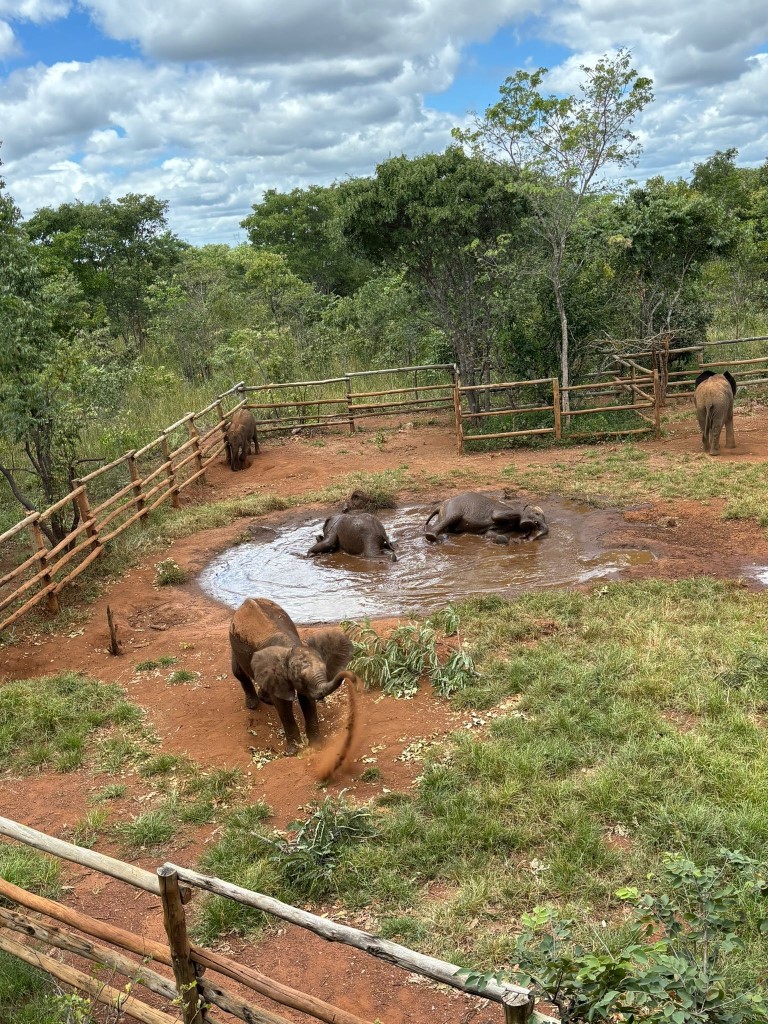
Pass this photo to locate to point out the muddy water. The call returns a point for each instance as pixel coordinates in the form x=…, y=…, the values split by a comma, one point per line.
x=425, y=577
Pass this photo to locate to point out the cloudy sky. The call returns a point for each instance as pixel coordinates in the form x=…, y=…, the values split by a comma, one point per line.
x=207, y=103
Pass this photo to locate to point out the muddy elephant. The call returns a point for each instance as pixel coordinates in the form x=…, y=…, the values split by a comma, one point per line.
x=713, y=397
x=238, y=437
x=275, y=666
x=473, y=512
x=356, y=533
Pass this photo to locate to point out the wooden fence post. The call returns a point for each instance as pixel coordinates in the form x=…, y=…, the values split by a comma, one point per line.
x=517, y=1014
x=556, y=408
x=38, y=542
x=84, y=506
x=170, y=472
x=348, y=383
x=195, y=435
x=656, y=404
x=138, y=500
x=457, y=411
x=174, y=919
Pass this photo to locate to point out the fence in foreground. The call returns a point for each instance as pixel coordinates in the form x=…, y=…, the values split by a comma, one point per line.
x=190, y=996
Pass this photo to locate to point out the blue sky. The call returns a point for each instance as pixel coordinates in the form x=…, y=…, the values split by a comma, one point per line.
x=207, y=105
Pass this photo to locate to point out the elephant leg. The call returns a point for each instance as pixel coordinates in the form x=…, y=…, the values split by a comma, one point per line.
x=309, y=710
x=322, y=547
x=714, y=434
x=443, y=525
x=255, y=445
x=251, y=696
x=701, y=415
x=508, y=517
x=290, y=728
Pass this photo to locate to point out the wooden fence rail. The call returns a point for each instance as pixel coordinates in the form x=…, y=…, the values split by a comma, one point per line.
x=192, y=992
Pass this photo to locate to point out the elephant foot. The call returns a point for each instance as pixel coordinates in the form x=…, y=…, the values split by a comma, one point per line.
x=291, y=750
x=252, y=703
x=431, y=537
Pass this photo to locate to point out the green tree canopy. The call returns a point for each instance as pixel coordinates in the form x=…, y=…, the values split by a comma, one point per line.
x=116, y=251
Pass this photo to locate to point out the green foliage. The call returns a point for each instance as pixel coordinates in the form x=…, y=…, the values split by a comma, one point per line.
x=25, y=867
x=397, y=663
x=27, y=996
x=307, y=862
x=168, y=573
x=48, y=721
x=669, y=963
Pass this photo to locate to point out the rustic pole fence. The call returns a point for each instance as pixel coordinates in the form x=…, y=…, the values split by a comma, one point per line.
x=190, y=990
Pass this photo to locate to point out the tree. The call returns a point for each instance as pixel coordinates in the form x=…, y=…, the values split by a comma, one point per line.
x=116, y=251
x=49, y=375
x=304, y=227
x=435, y=216
x=668, y=232
x=558, y=146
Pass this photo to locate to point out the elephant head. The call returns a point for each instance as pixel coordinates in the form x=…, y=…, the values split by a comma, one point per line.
x=283, y=673
x=533, y=523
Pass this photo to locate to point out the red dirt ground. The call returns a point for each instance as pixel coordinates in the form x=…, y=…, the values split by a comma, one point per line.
x=207, y=721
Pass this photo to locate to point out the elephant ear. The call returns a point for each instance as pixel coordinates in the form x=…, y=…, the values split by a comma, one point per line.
x=731, y=381
x=333, y=646
x=270, y=674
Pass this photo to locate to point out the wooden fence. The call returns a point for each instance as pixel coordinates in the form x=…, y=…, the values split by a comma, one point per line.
x=191, y=994
x=108, y=501
x=634, y=393
x=343, y=401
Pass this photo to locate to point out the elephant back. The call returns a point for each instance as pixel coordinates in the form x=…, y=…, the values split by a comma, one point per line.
x=259, y=622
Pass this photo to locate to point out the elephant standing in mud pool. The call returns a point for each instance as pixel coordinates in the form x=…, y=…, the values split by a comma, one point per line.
x=356, y=533
x=713, y=397
x=275, y=666
x=239, y=435
x=474, y=512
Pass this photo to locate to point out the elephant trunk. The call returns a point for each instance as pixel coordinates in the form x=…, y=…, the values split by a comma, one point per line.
x=328, y=686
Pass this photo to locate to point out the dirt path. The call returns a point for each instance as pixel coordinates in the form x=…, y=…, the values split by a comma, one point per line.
x=206, y=718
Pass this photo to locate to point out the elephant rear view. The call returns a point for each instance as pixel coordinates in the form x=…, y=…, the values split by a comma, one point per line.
x=275, y=666
x=713, y=398
x=240, y=434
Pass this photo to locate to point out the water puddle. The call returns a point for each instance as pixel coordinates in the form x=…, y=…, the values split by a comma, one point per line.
x=425, y=577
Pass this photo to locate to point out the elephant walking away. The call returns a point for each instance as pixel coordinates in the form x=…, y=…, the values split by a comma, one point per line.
x=713, y=397
x=356, y=533
x=275, y=666
x=239, y=435
x=474, y=512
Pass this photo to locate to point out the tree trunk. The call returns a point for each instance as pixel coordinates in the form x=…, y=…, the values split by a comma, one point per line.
x=564, y=367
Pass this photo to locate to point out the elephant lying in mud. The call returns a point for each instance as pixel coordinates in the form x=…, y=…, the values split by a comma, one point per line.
x=713, y=398
x=275, y=666
x=356, y=533
x=473, y=512
x=239, y=435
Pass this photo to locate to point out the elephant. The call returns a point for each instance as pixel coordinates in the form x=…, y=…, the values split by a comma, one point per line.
x=240, y=432
x=356, y=533
x=273, y=665
x=713, y=397
x=474, y=512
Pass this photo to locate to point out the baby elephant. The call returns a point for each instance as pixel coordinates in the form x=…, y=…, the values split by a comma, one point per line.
x=237, y=440
x=713, y=398
x=356, y=533
x=474, y=512
x=273, y=665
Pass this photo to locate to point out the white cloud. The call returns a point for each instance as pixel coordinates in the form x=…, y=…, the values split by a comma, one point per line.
x=35, y=10
x=225, y=100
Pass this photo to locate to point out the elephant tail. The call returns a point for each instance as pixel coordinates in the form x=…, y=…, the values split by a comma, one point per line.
x=343, y=747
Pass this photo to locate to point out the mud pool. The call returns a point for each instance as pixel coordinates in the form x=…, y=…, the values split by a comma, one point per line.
x=425, y=577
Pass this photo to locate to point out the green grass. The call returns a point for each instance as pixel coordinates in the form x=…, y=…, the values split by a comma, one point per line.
x=25, y=867
x=631, y=474
x=608, y=728
x=29, y=996
x=148, y=830
x=147, y=666
x=169, y=573
x=48, y=722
